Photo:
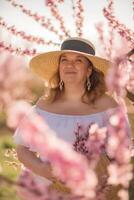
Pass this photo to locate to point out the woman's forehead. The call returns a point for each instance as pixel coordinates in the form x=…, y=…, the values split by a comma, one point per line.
x=72, y=54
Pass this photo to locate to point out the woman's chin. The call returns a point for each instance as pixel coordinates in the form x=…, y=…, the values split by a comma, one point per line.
x=69, y=80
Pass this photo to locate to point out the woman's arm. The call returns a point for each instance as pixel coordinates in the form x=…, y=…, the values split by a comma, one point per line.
x=32, y=162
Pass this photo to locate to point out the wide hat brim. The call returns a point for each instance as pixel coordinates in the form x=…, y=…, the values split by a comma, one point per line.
x=45, y=65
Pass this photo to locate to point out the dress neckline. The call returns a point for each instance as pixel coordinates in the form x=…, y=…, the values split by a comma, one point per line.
x=66, y=115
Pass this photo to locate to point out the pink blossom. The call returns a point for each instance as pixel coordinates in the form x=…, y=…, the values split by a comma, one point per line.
x=119, y=72
x=23, y=35
x=43, y=21
x=119, y=149
x=14, y=79
x=16, y=112
x=78, y=15
x=17, y=51
x=122, y=30
x=55, y=12
x=120, y=174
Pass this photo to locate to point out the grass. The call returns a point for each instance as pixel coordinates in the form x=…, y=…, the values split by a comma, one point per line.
x=7, y=192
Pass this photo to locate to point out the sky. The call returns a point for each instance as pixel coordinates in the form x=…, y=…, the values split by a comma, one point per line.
x=92, y=15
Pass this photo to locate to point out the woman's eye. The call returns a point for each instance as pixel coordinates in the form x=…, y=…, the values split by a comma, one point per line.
x=79, y=61
x=63, y=59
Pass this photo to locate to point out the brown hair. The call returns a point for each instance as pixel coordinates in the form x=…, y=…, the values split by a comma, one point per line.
x=98, y=87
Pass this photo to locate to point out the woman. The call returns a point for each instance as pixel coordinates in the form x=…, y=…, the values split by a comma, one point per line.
x=75, y=93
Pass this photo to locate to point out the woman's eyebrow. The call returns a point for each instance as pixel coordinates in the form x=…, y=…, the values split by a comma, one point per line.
x=63, y=56
x=76, y=56
x=80, y=56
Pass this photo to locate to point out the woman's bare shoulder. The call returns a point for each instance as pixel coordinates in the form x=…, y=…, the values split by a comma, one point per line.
x=41, y=103
x=47, y=106
x=106, y=102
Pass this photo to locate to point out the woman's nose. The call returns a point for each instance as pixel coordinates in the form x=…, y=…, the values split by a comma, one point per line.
x=70, y=63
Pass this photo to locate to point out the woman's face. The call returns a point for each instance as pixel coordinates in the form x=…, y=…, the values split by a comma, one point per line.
x=74, y=67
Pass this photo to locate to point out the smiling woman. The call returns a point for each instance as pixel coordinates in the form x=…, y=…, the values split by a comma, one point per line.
x=74, y=68
x=74, y=77
x=74, y=64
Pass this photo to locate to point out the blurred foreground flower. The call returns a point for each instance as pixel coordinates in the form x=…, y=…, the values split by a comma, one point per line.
x=14, y=80
x=119, y=150
x=67, y=165
x=36, y=133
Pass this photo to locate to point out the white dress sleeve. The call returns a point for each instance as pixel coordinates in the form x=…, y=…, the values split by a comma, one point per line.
x=18, y=137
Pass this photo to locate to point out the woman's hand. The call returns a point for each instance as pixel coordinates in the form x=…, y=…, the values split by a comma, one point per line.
x=44, y=169
x=32, y=162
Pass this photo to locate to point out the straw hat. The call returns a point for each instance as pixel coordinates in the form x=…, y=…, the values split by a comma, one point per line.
x=45, y=65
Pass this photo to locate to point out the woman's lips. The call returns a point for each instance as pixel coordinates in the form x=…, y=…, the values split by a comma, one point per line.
x=70, y=72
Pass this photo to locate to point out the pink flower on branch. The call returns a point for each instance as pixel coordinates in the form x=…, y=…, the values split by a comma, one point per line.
x=90, y=143
x=119, y=136
x=100, y=30
x=17, y=51
x=117, y=32
x=78, y=11
x=44, y=22
x=119, y=149
x=96, y=141
x=110, y=41
x=14, y=80
x=120, y=174
x=110, y=48
x=52, y=1
x=23, y=35
x=110, y=6
x=119, y=75
x=55, y=12
x=115, y=144
x=121, y=29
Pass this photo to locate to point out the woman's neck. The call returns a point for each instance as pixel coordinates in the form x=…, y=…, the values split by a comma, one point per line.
x=72, y=94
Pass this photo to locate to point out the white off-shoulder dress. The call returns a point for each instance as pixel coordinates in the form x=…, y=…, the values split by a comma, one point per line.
x=65, y=126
